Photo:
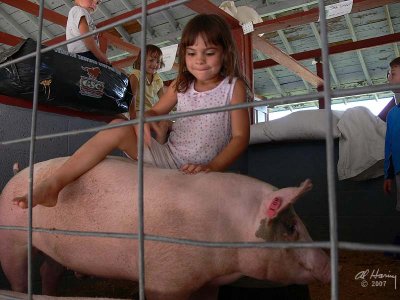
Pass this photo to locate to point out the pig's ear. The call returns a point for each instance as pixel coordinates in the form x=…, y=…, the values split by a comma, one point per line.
x=273, y=208
x=281, y=199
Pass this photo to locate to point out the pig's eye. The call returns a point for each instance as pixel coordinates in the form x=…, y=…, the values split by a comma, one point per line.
x=291, y=228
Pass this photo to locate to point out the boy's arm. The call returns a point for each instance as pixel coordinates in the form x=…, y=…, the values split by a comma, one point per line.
x=90, y=42
x=240, y=124
x=388, y=164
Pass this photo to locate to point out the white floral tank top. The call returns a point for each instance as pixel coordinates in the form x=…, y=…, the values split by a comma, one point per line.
x=198, y=139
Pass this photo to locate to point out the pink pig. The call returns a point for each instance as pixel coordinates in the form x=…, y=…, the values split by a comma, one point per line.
x=216, y=207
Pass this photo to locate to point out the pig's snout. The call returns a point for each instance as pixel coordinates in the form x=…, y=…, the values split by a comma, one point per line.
x=315, y=266
x=325, y=274
x=322, y=267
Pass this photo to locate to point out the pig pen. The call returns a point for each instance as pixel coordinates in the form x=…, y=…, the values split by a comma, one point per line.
x=364, y=213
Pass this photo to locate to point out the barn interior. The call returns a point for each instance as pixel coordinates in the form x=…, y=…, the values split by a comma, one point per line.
x=283, y=60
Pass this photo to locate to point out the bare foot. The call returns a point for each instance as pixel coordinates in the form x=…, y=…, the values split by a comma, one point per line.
x=45, y=193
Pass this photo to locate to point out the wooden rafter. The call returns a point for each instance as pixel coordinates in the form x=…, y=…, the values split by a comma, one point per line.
x=285, y=60
x=133, y=12
x=336, y=49
x=33, y=9
x=9, y=39
x=208, y=7
x=119, y=43
x=312, y=15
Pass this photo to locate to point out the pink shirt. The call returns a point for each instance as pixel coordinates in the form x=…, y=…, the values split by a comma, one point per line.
x=198, y=139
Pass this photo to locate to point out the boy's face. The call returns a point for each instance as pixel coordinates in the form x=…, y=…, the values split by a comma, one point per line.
x=89, y=5
x=394, y=75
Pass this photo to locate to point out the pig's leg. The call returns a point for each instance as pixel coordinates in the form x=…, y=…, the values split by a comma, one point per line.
x=50, y=273
x=161, y=130
x=207, y=292
x=85, y=158
x=152, y=295
x=14, y=261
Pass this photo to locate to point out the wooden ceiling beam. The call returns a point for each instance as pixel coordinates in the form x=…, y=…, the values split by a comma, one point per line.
x=207, y=7
x=287, y=61
x=9, y=39
x=33, y=9
x=121, y=44
x=312, y=15
x=133, y=12
x=336, y=49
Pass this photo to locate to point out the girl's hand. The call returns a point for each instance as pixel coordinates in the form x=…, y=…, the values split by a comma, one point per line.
x=194, y=169
x=387, y=186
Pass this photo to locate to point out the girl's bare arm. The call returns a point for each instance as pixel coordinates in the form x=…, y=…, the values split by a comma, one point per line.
x=240, y=132
x=166, y=102
x=133, y=81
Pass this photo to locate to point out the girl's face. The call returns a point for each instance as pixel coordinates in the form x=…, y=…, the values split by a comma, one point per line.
x=153, y=62
x=89, y=5
x=204, y=61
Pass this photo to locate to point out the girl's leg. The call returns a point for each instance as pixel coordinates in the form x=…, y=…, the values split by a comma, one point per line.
x=162, y=131
x=85, y=158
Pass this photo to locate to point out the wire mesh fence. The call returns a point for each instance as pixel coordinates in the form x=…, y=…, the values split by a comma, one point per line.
x=333, y=244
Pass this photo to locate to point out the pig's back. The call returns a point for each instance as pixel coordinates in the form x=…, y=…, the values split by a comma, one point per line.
x=199, y=207
x=105, y=198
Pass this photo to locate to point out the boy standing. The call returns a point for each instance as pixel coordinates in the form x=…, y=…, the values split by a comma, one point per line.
x=392, y=146
x=392, y=141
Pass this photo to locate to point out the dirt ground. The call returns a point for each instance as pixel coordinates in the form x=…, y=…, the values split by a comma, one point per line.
x=352, y=285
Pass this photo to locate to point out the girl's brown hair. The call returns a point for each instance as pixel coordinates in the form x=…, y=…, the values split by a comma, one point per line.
x=151, y=50
x=214, y=30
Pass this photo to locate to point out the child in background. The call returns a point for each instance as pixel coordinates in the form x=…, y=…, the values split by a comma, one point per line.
x=392, y=147
x=81, y=22
x=208, y=76
x=392, y=141
x=154, y=88
x=395, y=63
